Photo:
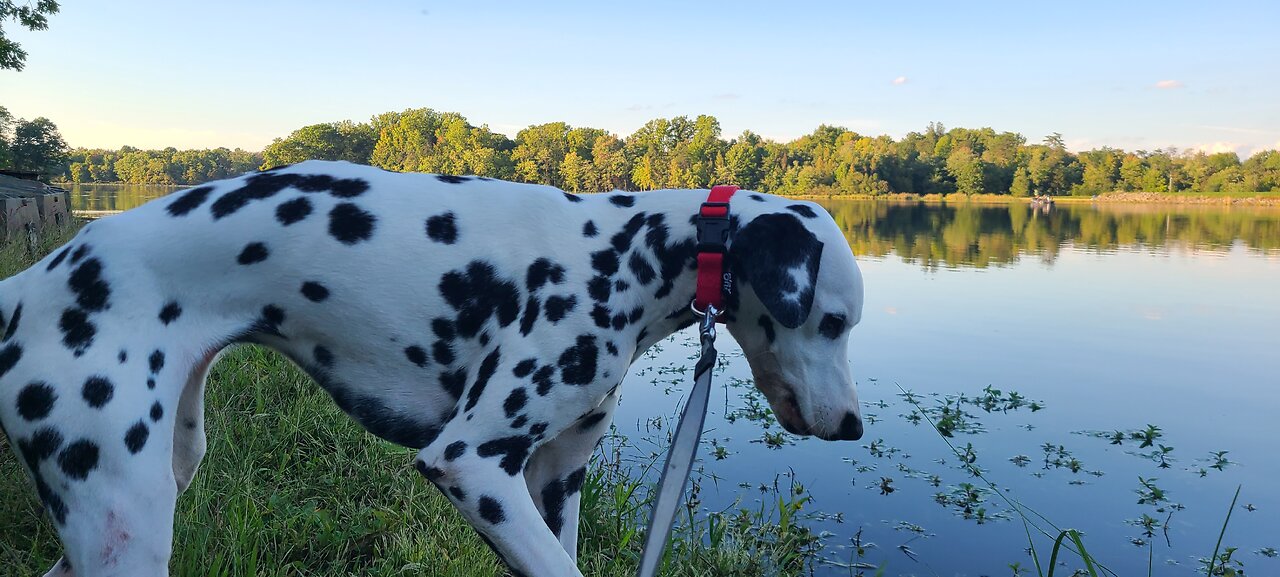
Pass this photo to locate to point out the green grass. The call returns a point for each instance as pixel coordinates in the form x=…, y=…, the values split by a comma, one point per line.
x=291, y=486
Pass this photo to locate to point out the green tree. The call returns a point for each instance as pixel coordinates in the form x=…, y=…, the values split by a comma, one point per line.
x=344, y=140
x=38, y=147
x=12, y=56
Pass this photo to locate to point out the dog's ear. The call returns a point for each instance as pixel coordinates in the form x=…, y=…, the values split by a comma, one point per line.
x=779, y=258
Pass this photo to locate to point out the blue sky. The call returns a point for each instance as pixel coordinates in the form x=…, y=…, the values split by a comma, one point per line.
x=1136, y=75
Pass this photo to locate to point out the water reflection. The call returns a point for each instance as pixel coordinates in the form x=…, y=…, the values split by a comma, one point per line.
x=978, y=235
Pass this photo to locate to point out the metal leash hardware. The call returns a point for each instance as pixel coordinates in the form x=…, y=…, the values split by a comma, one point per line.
x=684, y=446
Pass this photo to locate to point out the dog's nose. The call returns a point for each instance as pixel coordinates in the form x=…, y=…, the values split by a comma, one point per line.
x=850, y=428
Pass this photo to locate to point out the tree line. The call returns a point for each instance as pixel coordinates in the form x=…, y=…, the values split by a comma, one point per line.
x=683, y=152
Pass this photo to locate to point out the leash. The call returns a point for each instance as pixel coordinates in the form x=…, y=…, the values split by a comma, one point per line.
x=712, y=284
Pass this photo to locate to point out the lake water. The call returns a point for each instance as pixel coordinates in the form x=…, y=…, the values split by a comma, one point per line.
x=1103, y=320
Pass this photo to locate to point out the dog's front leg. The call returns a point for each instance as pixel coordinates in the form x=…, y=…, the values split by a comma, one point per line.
x=493, y=497
x=555, y=472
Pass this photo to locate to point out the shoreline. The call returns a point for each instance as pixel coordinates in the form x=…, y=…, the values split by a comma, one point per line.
x=1257, y=199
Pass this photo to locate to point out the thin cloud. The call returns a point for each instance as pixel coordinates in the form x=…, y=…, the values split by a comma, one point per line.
x=1169, y=84
x=727, y=96
x=899, y=81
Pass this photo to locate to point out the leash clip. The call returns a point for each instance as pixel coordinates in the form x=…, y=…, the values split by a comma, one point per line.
x=707, y=326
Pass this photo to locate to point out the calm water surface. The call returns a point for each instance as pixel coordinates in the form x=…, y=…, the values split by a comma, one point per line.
x=1108, y=319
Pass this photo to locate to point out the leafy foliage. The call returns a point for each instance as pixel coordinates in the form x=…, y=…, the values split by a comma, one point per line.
x=12, y=56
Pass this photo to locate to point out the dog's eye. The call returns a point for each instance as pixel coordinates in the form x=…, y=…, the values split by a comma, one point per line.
x=831, y=326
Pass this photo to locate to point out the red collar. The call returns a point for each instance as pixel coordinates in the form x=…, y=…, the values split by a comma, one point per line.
x=714, y=281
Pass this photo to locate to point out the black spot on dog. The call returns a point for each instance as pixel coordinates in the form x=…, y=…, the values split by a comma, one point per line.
x=189, y=201
x=443, y=228
x=189, y=423
x=81, y=252
x=257, y=187
x=635, y=315
x=443, y=328
x=621, y=285
x=254, y=252
x=458, y=493
x=275, y=168
x=538, y=429
x=57, y=260
x=77, y=330
x=641, y=268
x=35, y=401
x=578, y=362
x=832, y=325
x=599, y=288
x=170, y=312
x=432, y=474
x=86, y=282
x=524, y=368
x=156, y=361
x=348, y=187
x=559, y=306
x=416, y=355
x=442, y=352
x=314, y=291
x=619, y=322
x=292, y=211
x=454, y=450
x=323, y=356
x=9, y=356
x=542, y=378
x=488, y=367
x=97, y=391
x=757, y=198
x=605, y=262
x=123, y=357
x=514, y=450
x=609, y=346
x=572, y=197
x=451, y=179
x=478, y=294
x=589, y=229
x=802, y=210
x=767, y=254
x=42, y=445
x=541, y=271
x=621, y=241
x=350, y=224
x=600, y=315
x=623, y=200
x=591, y=420
x=78, y=459
x=519, y=422
x=516, y=401
x=13, y=323
x=767, y=324
x=532, y=309
x=157, y=411
x=491, y=510
x=151, y=383
x=454, y=382
x=136, y=437
x=272, y=318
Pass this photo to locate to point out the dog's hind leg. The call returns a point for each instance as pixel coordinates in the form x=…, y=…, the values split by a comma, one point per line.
x=112, y=507
x=189, y=442
x=556, y=471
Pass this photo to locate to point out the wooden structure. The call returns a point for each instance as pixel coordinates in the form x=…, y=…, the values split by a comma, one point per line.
x=28, y=206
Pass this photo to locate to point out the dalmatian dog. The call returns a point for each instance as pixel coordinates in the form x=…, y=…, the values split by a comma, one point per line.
x=487, y=324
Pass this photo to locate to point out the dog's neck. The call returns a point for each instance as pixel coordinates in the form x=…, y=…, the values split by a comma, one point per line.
x=667, y=240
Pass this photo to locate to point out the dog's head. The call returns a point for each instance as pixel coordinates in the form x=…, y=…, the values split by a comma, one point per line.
x=799, y=293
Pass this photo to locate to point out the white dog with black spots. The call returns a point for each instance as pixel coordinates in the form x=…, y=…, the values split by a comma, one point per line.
x=486, y=323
